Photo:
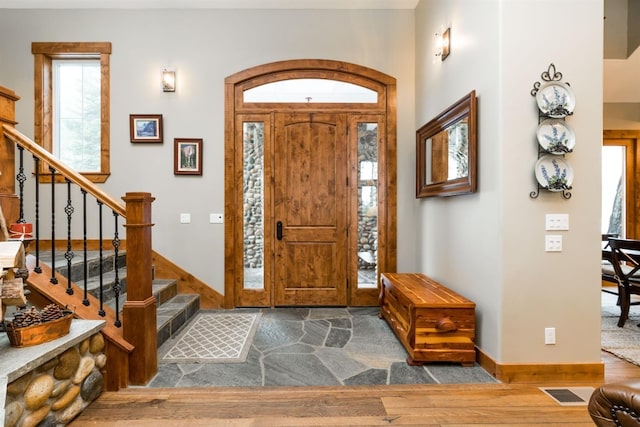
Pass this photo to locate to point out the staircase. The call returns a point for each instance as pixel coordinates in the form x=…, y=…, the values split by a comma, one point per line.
x=131, y=360
x=174, y=309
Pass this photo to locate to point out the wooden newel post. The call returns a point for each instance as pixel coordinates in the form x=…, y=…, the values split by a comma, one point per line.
x=139, y=311
x=9, y=201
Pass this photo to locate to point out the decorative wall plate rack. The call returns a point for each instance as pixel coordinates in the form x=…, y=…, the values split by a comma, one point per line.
x=555, y=138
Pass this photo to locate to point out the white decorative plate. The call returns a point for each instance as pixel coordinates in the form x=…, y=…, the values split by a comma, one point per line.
x=556, y=136
x=554, y=173
x=556, y=100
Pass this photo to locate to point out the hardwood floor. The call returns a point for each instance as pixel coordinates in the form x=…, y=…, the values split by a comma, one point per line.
x=408, y=405
x=457, y=405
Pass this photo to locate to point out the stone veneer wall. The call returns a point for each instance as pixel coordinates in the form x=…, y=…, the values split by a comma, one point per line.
x=58, y=390
x=367, y=215
x=253, y=200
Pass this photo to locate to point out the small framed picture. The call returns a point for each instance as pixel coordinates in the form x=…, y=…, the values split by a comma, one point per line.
x=187, y=156
x=145, y=127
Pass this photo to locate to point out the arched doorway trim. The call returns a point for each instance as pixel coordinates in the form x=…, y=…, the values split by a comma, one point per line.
x=235, y=85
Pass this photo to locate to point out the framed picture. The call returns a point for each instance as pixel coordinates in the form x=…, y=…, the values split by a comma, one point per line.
x=187, y=156
x=145, y=127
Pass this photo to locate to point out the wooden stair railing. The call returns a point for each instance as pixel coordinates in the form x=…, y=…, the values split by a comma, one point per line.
x=25, y=142
x=131, y=349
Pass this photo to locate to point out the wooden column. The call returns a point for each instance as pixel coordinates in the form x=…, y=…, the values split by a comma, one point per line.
x=139, y=311
x=9, y=202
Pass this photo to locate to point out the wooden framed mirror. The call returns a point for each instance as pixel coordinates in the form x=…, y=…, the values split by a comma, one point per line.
x=446, y=151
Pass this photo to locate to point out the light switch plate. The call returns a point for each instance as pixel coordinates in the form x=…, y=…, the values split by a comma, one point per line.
x=185, y=218
x=556, y=222
x=552, y=243
x=216, y=218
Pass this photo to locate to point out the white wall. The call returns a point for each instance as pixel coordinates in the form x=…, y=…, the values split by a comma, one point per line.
x=622, y=116
x=615, y=28
x=490, y=246
x=622, y=92
x=205, y=46
x=621, y=79
x=457, y=242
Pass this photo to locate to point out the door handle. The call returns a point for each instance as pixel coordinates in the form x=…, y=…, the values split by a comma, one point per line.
x=279, y=230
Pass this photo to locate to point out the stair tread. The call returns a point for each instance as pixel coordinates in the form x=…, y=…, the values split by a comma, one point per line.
x=174, y=314
x=45, y=254
x=157, y=286
x=168, y=308
x=176, y=303
x=174, y=309
x=107, y=277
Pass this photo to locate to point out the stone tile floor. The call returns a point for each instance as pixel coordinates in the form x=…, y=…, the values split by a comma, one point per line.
x=319, y=347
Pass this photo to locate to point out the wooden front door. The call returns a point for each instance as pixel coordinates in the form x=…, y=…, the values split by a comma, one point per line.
x=310, y=207
x=322, y=169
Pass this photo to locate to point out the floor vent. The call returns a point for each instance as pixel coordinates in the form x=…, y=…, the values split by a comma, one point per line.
x=569, y=396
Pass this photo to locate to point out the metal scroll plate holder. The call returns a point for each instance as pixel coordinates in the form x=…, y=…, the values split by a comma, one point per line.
x=555, y=137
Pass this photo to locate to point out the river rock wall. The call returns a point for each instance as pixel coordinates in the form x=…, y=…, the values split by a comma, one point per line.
x=57, y=391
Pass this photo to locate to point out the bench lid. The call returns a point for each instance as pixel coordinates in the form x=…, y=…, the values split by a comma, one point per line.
x=414, y=285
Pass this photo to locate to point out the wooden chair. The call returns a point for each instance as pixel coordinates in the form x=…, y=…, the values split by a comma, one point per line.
x=625, y=258
x=608, y=274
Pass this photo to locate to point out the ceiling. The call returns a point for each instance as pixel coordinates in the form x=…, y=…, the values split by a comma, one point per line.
x=208, y=4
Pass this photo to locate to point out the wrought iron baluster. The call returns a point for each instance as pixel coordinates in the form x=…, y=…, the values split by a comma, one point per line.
x=37, y=267
x=116, y=285
x=85, y=276
x=53, y=279
x=101, y=311
x=68, y=255
x=21, y=178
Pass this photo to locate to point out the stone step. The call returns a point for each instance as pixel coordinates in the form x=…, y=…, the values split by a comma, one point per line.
x=174, y=314
x=77, y=263
x=162, y=289
x=174, y=309
x=108, y=283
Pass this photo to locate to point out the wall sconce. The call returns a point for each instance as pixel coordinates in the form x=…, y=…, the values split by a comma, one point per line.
x=443, y=44
x=168, y=80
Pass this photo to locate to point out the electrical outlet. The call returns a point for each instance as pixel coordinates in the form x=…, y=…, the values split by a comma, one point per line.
x=553, y=243
x=185, y=218
x=549, y=336
x=216, y=218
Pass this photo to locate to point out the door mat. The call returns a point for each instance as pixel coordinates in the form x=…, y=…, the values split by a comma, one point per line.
x=213, y=338
x=569, y=396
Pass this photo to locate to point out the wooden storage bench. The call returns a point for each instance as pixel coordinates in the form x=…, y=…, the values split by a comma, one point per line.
x=433, y=323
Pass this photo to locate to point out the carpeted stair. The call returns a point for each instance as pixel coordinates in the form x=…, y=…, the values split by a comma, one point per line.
x=174, y=309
